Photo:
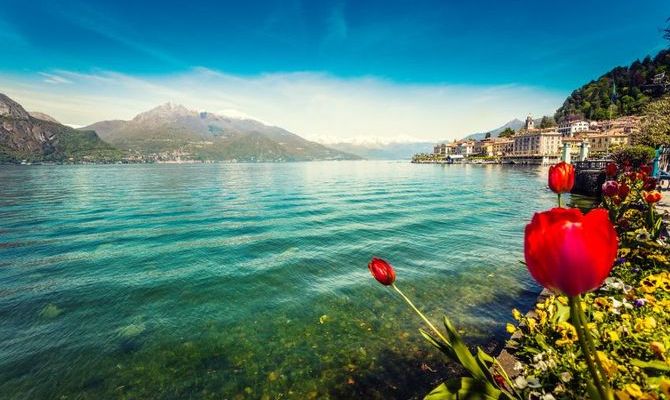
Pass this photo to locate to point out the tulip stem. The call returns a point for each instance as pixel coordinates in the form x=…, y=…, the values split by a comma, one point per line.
x=589, y=341
x=437, y=332
x=589, y=354
x=559, y=201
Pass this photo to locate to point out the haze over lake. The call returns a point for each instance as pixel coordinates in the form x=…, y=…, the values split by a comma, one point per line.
x=251, y=279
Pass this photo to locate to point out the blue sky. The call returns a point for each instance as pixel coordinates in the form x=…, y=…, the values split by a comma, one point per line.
x=534, y=47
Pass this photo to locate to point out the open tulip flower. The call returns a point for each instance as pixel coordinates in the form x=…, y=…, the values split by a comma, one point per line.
x=610, y=188
x=569, y=252
x=561, y=177
x=652, y=197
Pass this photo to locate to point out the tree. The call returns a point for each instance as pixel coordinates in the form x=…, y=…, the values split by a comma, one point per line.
x=507, y=133
x=547, y=122
x=656, y=124
x=488, y=135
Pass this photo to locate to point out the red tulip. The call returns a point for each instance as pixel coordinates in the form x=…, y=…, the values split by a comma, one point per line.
x=649, y=183
x=382, y=271
x=624, y=190
x=610, y=188
x=611, y=169
x=645, y=169
x=561, y=177
x=569, y=252
x=652, y=197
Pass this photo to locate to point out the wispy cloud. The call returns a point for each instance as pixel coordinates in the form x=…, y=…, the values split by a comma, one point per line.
x=54, y=79
x=314, y=105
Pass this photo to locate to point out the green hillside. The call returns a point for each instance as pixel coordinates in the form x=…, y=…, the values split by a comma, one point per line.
x=621, y=91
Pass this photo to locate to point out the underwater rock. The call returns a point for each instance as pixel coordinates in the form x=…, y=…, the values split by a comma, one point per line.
x=50, y=311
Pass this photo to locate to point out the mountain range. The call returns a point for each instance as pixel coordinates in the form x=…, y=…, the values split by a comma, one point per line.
x=37, y=137
x=405, y=150
x=172, y=129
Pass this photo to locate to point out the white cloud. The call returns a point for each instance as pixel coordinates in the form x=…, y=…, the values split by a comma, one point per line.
x=313, y=105
x=53, y=78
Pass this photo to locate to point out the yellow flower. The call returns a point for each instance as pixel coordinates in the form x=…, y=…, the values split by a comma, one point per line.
x=609, y=365
x=633, y=390
x=613, y=336
x=510, y=328
x=601, y=302
x=516, y=314
x=658, y=348
x=598, y=316
x=648, y=323
x=543, y=316
x=665, y=387
x=568, y=333
x=530, y=323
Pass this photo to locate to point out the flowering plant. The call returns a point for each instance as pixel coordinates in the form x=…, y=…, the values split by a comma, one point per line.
x=602, y=329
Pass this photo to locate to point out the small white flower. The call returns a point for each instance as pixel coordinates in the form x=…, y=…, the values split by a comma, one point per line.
x=548, y=396
x=518, y=366
x=566, y=376
x=520, y=382
x=542, y=366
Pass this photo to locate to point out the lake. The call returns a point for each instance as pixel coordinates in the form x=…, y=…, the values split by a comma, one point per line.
x=250, y=281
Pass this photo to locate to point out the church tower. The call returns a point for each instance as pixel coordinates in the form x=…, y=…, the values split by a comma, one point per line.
x=529, y=123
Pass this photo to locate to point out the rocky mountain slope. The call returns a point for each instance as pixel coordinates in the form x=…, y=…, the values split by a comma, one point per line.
x=24, y=137
x=172, y=129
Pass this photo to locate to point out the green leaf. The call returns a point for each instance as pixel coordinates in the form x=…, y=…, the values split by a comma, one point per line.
x=539, y=338
x=593, y=392
x=654, y=364
x=465, y=357
x=465, y=388
x=443, y=347
x=562, y=313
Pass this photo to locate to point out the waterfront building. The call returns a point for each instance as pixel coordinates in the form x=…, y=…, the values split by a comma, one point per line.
x=466, y=148
x=445, y=149
x=503, y=146
x=608, y=141
x=574, y=144
x=537, y=142
x=570, y=128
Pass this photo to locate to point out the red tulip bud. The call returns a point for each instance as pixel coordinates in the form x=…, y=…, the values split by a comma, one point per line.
x=382, y=271
x=569, y=252
x=645, y=169
x=611, y=169
x=610, y=188
x=652, y=197
x=624, y=190
x=561, y=177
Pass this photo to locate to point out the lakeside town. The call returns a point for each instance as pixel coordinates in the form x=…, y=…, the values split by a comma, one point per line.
x=574, y=138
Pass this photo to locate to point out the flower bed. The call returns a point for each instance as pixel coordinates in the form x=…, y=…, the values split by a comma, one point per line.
x=629, y=315
x=603, y=332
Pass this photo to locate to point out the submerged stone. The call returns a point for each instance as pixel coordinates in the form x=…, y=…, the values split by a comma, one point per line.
x=51, y=311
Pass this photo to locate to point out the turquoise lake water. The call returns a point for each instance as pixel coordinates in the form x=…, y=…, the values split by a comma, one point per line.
x=250, y=281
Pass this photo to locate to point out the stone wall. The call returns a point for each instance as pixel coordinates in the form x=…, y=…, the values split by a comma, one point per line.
x=588, y=182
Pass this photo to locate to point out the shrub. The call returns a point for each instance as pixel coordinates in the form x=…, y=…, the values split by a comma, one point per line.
x=634, y=156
